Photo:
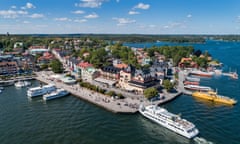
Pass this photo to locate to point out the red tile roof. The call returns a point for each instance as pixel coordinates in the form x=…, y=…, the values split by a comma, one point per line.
x=84, y=64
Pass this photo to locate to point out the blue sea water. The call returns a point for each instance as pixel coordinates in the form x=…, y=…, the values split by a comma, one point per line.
x=70, y=120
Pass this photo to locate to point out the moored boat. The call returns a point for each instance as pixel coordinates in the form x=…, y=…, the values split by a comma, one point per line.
x=202, y=73
x=55, y=94
x=197, y=88
x=7, y=83
x=213, y=96
x=190, y=83
x=169, y=120
x=21, y=84
x=193, y=79
x=41, y=90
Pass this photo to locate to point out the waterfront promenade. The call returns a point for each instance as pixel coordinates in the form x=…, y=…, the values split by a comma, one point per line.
x=126, y=105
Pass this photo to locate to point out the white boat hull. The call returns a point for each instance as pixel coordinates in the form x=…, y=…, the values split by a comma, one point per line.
x=55, y=94
x=167, y=125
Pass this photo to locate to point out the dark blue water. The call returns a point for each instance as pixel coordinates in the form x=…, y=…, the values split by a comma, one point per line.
x=70, y=120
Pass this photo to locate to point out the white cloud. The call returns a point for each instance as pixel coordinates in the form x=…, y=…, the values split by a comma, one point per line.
x=80, y=20
x=90, y=3
x=91, y=16
x=13, y=7
x=26, y=22
x=152, y=26
x=22, y=12
x=78, y=12
x=172, y=25
x=189, y=16
x=124, y=21
x=12, y=13
x=36, y=15
x=133, y=12
x=62, y=19
x=8, y=14
x=142, y=6
x=147, y=26
x=28, y=6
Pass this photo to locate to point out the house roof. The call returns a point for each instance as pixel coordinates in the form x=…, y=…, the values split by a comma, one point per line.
x=37, y=47
x=46, y=56
x=121, y=66
x=111, y=69
x=85, y=64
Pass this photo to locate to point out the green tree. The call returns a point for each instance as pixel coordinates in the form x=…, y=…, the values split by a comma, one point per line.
x=111, y=93
x=150, y=92
x=168, y=85
x=56, y=66
x=44, y=66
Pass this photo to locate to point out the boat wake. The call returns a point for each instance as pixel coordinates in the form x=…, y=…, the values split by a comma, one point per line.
x=200, y=140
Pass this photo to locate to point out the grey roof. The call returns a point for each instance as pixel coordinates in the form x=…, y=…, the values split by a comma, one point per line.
x=111, y=69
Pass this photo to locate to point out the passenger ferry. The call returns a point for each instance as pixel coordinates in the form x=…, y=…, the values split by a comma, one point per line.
x=38, y=91
x=169, y=120
x=55, y=94
x=213, y=96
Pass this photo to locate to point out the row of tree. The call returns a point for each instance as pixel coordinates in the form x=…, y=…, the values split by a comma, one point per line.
x=100, y=90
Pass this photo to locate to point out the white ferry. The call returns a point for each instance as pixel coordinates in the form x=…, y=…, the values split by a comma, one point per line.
x=169, y=120
x=55, y=94
x=197, y=88
x=38, y=91
x=21, y=84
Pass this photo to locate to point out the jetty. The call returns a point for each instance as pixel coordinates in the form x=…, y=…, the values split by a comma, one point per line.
x=128, y=105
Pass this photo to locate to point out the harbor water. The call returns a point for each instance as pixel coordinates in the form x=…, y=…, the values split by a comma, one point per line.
x=70, y=120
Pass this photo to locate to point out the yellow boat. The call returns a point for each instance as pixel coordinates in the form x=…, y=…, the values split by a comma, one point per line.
x=213, y=96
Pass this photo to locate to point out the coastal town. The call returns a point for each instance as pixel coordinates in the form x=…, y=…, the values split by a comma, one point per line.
x=113, y=76
x=119, y=72
x=118, y=78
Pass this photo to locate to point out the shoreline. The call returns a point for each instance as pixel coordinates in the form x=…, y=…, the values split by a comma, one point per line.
x=125, y=106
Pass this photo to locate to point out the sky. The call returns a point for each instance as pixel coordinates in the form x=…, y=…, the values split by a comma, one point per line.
x=120, y=16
